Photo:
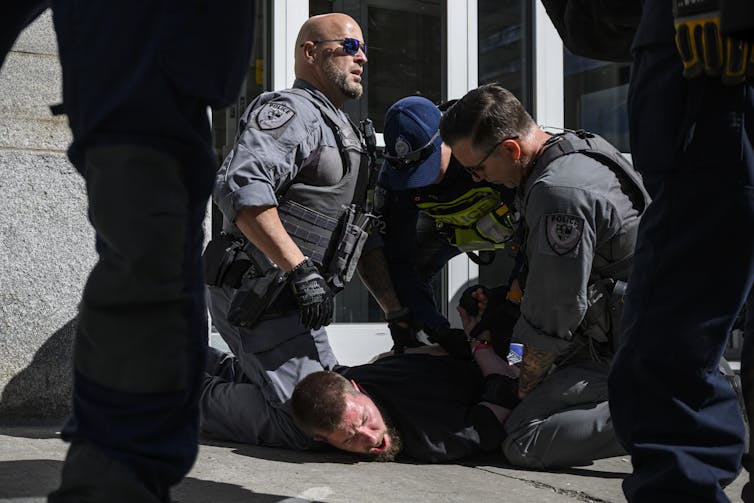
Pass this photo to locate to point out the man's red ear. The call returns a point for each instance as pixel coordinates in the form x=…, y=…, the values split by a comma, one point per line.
x=355, y=385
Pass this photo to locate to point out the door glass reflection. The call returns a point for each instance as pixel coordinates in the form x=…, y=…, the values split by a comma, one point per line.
x=505, y=48
x=595, y=95
x=406, y=49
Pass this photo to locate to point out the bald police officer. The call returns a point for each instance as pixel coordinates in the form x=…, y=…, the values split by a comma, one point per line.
x=292, y=193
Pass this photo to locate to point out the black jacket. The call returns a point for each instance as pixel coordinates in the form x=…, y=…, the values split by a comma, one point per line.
x=737, y=18
x=605, y=29
x=598, y=29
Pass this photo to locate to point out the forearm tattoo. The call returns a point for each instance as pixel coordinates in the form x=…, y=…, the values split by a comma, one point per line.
x=534, y=367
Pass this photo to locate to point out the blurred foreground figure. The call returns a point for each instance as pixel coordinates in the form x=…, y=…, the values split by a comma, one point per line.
x=138, y=78
x=690, y=112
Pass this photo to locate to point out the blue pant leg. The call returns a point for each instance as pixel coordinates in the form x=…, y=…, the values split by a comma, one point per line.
x=141, y=336
x=694, y=266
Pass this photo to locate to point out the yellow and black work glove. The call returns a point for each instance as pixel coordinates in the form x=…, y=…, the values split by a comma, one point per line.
x=314, y=297
x=703, y=48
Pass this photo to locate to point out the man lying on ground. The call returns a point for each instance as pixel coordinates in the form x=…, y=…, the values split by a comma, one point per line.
x=424, y=407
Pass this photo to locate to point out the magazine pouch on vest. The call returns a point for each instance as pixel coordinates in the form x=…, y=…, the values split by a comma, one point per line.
x=312, y=231
x=333, y=245
x=353, y=234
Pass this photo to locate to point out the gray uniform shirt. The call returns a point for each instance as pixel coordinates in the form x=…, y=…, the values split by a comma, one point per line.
x=284, y=137
x=577, y=217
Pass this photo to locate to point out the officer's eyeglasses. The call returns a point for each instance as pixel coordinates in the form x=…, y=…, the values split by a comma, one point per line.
x=351, y=46
x=473, y=169
x=414, y=157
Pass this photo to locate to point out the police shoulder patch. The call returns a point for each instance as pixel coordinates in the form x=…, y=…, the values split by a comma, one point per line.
x=563, y=232
x=274, y=115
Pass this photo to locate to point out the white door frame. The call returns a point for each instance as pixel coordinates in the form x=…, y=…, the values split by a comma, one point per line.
x=287, y=18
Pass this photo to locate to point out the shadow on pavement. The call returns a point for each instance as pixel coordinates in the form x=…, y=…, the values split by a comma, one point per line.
x=329, y=455
x=586, y=472
x=497, y=461
x=323, y=454
x=35, y=478
x=193, y=490
x=29, y=478
x=33, y=429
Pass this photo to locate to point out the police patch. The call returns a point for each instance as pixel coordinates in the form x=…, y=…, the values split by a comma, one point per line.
x=273, y=115
x=563, y=232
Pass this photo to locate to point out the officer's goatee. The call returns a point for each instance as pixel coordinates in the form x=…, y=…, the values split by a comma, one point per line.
x=340, y=77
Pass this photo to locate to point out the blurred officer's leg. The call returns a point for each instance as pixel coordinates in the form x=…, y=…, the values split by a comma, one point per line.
x=678, y=417
x=142, y=141
x=141, y=334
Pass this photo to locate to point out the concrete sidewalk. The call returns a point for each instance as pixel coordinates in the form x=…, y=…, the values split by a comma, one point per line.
x=31, y=459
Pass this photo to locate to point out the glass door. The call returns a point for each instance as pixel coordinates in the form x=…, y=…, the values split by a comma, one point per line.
x=405, y=46
x=594, y=97
x=505, y=55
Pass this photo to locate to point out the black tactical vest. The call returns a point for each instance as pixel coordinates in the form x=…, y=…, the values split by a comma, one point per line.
x=352, y=187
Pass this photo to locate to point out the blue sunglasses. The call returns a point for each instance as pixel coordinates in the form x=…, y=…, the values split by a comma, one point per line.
x=350, y=45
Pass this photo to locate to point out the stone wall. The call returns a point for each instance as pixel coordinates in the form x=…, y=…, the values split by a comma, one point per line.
x=46, y=242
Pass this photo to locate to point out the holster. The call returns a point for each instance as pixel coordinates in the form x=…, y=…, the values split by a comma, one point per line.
x=225, y=261
x=232, y=262
x=255, y=296
x=602, y=319
x=333, y=244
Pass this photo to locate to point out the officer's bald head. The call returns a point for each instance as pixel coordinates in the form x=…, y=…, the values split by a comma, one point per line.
x=326, y=26
x=321, y=58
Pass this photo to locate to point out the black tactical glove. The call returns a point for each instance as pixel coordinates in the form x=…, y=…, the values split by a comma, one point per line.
x=499, y=318
x=402, y=331
x=314, y=297
x=452, y=340
x=501, y=390
x=704, y=49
